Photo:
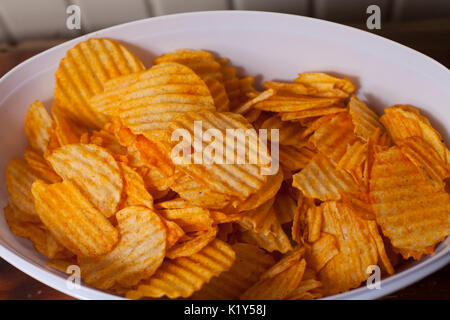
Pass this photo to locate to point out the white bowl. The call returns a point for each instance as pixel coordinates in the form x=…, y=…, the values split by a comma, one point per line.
x=267, y=45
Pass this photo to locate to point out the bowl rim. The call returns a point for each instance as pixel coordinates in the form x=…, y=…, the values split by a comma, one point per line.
x=406, y=277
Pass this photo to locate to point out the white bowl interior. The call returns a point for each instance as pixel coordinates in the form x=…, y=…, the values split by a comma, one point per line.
x=267, y=45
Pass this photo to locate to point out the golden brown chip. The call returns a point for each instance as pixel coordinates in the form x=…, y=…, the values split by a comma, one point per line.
x=218, y=93
x=334, y=137
x=299, y=115
x=322, y=251
x=365, y=120
x=66, y=130
x=156, y=98
x=314, y=217
x=411, y=212
x=138, y=254
x=42, y=240
x=83, y=73
x=261, y=227
x=321, y=180
x=183, y=276
x=37, y=163
x=357, y=249
x=238, y=180
x=384, y=258
x=284, y=263
x=293, y=159
x=290, y=133
x=135, y=193
x=93, y=170
x=250, y=263
x=294, y=103
x=405, y=121
x=192, y=245
x=426, y=159
x=277, y=287
x=72, y=219
x=37, y=127
x=19, y=179
x=190, y=218
x=360, y=203
x=247, y=106
x=326, y=85
x=14, y=213
x=285, y=207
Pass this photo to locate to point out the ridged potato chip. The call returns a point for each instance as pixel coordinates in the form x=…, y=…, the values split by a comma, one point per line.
x=72, y=219
x=134, y=188
x=181, y=277
x=290, y=133
x=294, y=103
x=426, y=159
x=66, y=130
x=326, y=85
x=250, y=263
x=38, y=124
x=357, y=249
x=42, y=240
x=411, y=212
x=138, y=254
x=405, y=121
x=305, y=114
x=293, y=159
x=321, y=251
x=218, y=93
x=321, y=180
x=364, y=119
x=83, y=72
x=155, y=99
x=284, y=263
x=37, y=163
x=93, y=170
x=190, y=218
x=19, y=179
x=278, y=287
x=334, y=137
x=237, y=180
x=193, y=243
x=285, y=207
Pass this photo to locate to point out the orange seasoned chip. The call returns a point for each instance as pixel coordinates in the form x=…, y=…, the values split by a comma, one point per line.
x=19, y=179
x=278, y=287
x=284, y=263
x=290, y=133
x=357, y=249
x=93, y=170
x=321, y=180
x=38, y=124
x=408, y=208
x=360, y=203
x=42, y=240
x=314, y=222
x=246, y=175
x=37, y=163
x=138, y=254
x=365, y=120
x=183, y=276
x=317, y=112
x=66, y=130
x=322, y=251
x=193, y=244
x=155, y=99
x=384, y=258
x=405, y=121
x=326, y=85
x=293, y=159
x=334, y=137
x=83, y=73
x=285, y=207
x=190, y=218
x=15, y=214
x=72, y=219
x=426, y=159
x=250, y=263
x=294, y=103
x=218, y=93
x=134, y=188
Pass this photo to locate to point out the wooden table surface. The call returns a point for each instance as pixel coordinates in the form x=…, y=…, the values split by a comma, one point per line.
x=429, y=37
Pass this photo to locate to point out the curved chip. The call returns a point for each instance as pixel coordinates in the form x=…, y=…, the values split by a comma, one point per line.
x=365, y=120
x=408, y=208
x=278, y=287
x=156, y=98
x=290, y=133
x=250, y=263
x=134, y=188
x=357, y=249
x=38, y=124
x=325, y=85
x=19, y=179
x=72, y=219
x=190, y=218
x=37, y=163
x=183, y=276
x=83, y=73
x=93, y=170
x=187, y=248
x=239, y=179
x=321, y=180
x=138, y=254
x=66, y=130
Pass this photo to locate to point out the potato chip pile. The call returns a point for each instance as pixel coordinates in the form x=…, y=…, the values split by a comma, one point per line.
x=99, y=188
